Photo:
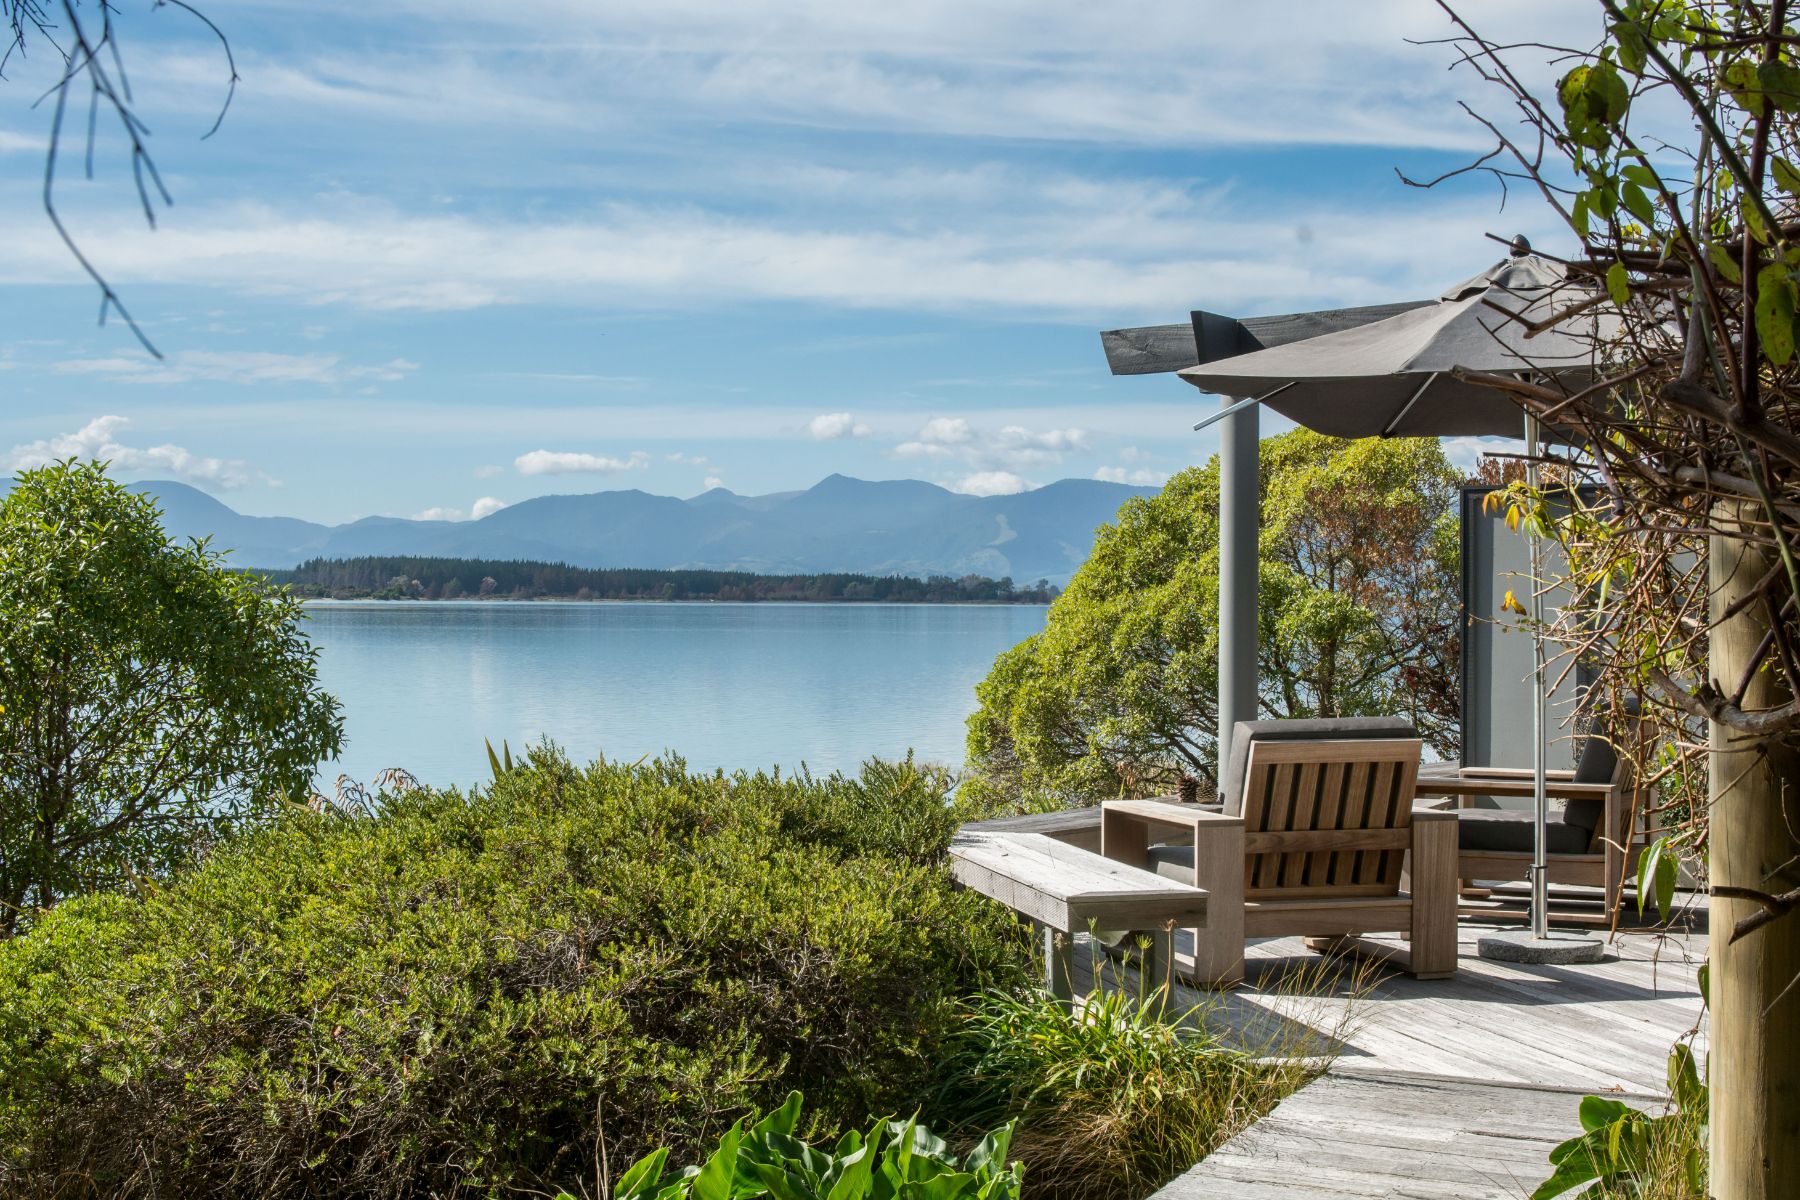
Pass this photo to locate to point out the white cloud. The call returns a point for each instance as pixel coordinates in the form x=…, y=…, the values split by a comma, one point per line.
x=1147, y=72
x=572, y=462
x=1132, y=454
x=489, y=470
x=1141, y=477
x=686, y=460
x=1012, y=448
x=713, y=481
x=486, y=506
x=945, y=431
x=1105, y=252
x=827, y=426
x=990, y=483
x=244, y=367
x=98, y=440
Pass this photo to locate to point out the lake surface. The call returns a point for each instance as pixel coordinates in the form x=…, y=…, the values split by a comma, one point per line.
x=726, y=685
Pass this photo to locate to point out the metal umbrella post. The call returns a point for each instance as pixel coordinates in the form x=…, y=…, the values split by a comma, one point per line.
x=1540, y=803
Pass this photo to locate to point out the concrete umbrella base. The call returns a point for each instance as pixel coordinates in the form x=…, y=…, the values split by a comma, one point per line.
x=1557, y=949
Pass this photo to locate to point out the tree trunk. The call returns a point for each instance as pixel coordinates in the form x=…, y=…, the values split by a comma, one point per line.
x=1755, y=810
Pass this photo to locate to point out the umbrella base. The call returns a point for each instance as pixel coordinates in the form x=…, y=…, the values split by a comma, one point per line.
x=1558, y=948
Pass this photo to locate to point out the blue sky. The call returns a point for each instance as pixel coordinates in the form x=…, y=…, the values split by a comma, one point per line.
x=446, y=255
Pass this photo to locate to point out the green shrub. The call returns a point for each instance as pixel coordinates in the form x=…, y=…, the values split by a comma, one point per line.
x=895, y=1160
x=1114, y=1097
x=467, y=993
x=1625, y=1152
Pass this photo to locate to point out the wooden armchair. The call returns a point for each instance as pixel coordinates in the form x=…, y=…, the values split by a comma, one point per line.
x=1590, y=838
x=1316, y=846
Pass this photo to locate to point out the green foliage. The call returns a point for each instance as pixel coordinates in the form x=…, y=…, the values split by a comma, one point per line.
x=470, y=993
x=1113, y=1097
x=1625, y=1152
x=895, y=1160
x=151, y=701
x=1357, y=614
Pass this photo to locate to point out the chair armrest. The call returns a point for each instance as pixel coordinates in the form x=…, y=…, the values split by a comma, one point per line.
x=1555, y=789
x=1165, y=815
x=1126, y=826
x=1512, y=773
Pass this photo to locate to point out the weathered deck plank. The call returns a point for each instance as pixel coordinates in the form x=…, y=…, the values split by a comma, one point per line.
x=1447, y=1088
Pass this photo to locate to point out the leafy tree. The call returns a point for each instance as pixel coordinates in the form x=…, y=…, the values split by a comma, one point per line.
x=1358, y=614
x=153, y=699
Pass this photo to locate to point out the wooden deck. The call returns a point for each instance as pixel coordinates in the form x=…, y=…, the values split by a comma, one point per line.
x=1446, y=1089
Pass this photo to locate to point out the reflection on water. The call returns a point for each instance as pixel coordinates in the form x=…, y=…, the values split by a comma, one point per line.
x=726, y=685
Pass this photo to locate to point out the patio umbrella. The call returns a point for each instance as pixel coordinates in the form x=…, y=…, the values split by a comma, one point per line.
x=1397, y=377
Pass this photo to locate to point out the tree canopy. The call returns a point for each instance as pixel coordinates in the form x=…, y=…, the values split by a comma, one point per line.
x=1358, y=614
x=150, y=699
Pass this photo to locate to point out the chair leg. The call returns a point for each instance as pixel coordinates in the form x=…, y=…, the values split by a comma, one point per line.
x=1219, y=868
x=1156, y=966
x=1434, y=848
x=1059, y=963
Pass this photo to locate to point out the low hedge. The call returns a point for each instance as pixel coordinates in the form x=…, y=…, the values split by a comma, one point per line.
x=470, y=993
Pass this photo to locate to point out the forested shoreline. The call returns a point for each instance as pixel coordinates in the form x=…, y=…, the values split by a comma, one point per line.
x=411, y=578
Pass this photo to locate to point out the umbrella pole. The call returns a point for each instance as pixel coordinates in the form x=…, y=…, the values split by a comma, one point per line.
x=1540, y=803
x=1537, y=944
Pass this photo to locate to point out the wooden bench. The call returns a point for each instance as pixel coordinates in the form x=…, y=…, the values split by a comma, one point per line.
x=1064, y=889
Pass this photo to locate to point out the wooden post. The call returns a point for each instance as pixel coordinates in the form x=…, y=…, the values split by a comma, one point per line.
x=1755, y=809
x=1059, y=962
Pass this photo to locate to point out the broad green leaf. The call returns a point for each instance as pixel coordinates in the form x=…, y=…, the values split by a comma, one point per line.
x=1781, y=84
x=1776, y=299
x=853, y=1181
x=714, y=1180
x=781, y=1120
x=1598, y=1112
x=1594, y=100
x=1786, y=177
x=1638, y=204
x=645, y=1174
x=1633, y=45
x=1723, y=263
x=1648, y=859
x=1753, y=220
x=1572, y=1172
x=1685, y=1087
x=1618, y=283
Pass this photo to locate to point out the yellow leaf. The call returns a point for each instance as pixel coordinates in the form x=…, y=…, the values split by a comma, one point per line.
x=1511, y=604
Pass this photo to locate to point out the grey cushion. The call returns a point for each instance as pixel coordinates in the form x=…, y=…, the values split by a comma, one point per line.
x=1511, y=830
x=1173, y=862
x=1598, y=763
x=1310, y=729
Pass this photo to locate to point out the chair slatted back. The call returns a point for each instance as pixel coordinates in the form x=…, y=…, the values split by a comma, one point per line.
x=1328, y=818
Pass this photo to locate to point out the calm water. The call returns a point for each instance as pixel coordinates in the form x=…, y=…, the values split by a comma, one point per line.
x=726, y=685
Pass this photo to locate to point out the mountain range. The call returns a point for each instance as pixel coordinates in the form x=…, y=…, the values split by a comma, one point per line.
x=892, y=527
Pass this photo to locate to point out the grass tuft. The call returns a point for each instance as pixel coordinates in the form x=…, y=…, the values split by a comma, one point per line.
x=1119, y=1093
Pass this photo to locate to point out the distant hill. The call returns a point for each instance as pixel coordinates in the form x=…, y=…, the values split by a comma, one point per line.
x=840, y=525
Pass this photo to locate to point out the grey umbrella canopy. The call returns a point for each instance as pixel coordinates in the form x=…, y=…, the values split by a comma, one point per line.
x=1396, y=377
